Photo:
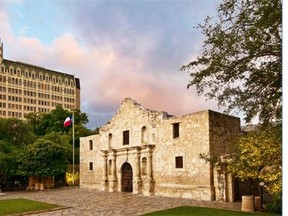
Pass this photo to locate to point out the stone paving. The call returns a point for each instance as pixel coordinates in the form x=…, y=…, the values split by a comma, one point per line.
x=88, y=202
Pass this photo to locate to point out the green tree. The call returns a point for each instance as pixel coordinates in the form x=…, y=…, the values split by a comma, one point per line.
x=45, y=123
x=80, y=118
x=60, y=139
x=16, y=132
x=240, y=66
x=14, y=136
x=5, y=147
x=35, y=120
x=9, y=166
x=64, y=140
x=241, y=61
x=258, y=156
x=43, y=158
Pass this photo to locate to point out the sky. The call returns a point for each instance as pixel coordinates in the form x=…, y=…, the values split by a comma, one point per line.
x=117, y=48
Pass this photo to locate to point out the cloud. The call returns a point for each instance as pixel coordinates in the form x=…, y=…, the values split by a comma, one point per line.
x=5, y=23
x=118, y=50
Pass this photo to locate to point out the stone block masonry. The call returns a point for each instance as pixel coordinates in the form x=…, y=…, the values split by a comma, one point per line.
x=154, y=153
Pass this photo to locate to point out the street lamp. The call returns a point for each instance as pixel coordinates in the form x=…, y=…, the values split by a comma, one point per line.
x=261, y=184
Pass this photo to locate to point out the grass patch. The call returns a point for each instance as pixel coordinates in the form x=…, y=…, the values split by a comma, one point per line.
x=191, y=210
x=17, y=206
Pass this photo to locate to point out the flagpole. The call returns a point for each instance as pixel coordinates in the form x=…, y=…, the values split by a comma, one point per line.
x=73, y=166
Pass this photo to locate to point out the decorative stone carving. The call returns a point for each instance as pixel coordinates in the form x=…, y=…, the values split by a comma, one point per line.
x=201, y=132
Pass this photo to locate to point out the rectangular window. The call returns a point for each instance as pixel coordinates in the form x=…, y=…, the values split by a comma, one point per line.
x=91, y=144
x=126, y=137
x=91, y=166
x=175, y=130
x=179, y=162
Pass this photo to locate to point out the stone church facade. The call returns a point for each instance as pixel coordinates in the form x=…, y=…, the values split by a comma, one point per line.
x=153, y=153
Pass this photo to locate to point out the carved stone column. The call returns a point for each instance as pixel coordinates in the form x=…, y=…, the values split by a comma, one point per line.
x=149, y=165
x=137, y=179
x=104, y=176
x=221, y=187
x=113, y=180
x=149, y=182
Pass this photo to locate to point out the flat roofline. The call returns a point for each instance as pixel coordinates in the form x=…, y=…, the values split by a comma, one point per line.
x=37, y=67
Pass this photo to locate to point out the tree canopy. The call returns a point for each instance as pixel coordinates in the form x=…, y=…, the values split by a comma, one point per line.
x=241, y=61
x=240, y=65
x=40, y=145
x=45, y=123
x=259, y=156
x=15, y=132
x=43, y=158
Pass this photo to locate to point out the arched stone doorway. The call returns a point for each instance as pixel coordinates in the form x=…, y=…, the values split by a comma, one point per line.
x=127, y=177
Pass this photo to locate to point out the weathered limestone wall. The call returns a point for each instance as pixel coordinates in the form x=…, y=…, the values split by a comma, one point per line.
x=141, y=124
x=90, y=178
x=191, y=181
x=131, y=116
x=224, y=130
x=152, y=152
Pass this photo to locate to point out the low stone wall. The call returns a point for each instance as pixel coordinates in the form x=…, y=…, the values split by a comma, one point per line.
x=184, y=191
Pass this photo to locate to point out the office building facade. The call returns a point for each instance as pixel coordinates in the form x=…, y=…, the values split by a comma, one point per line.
x=26, y=88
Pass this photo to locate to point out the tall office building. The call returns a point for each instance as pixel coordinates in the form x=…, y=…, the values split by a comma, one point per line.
x=26, y=88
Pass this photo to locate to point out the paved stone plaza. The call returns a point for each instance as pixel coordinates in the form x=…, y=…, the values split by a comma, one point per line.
x=91, y=202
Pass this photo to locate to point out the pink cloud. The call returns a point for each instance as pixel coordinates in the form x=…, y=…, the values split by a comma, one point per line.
x=6, y=33
x=107, y=78
x=108, y=72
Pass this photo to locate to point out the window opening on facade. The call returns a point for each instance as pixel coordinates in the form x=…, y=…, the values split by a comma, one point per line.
x=179, y=162
x=109, y=140
x=126, y=137
x=175, y=130
x=91, y=166
x=91, y=144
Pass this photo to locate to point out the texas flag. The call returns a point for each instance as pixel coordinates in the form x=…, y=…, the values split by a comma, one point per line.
x=68, y=121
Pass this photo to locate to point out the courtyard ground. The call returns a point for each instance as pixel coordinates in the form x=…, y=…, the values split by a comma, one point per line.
x=92, y=202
